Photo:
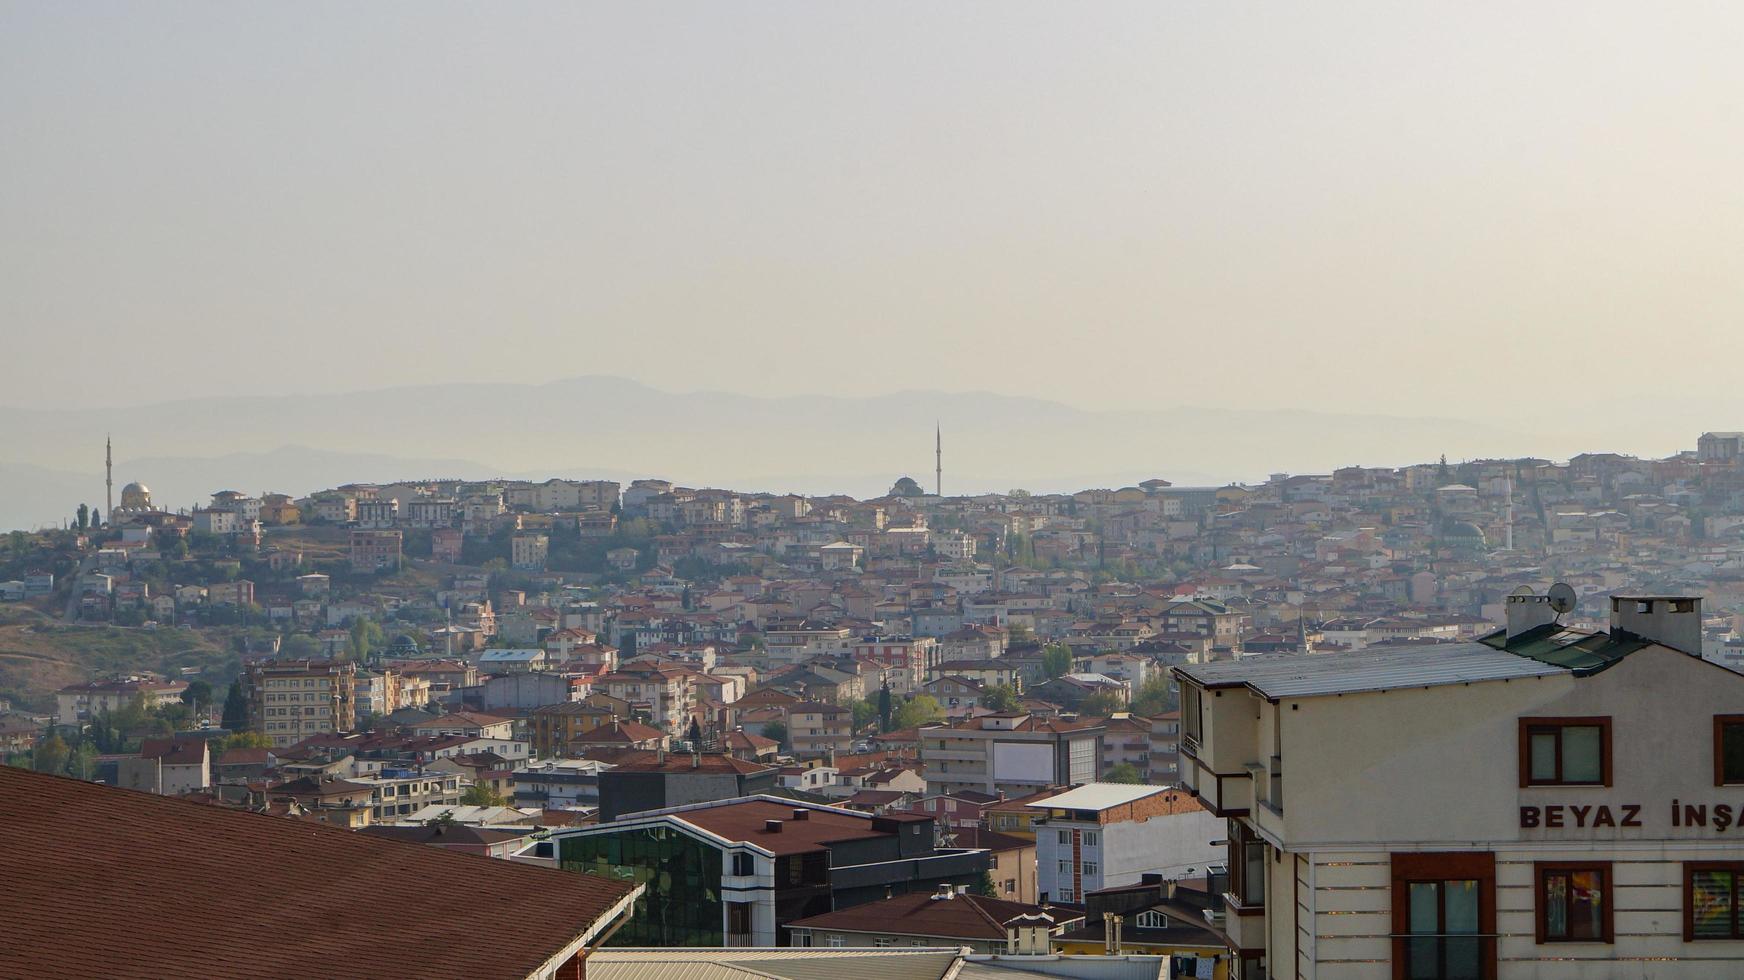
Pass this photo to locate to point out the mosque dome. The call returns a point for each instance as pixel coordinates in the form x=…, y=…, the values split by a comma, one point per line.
x=136, y=496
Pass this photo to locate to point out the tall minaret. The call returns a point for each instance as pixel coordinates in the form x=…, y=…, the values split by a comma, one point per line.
x=938, y=459
x=1508, y=526
x=108, y=477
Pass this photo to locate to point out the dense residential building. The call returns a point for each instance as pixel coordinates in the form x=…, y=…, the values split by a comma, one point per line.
x=735, y=872
x=80, y=703
x=1010, y=753
x=1104, y=835
x=948, y=916
x=375, y=551
x=1550, y=801
x=654, y=780
x=292, y=700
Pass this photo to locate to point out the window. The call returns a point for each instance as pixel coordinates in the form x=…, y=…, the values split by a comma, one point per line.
x=739, y=918
x=1565, y=752
x=1729, y=750
x=1247, y=866
x=1574, y=902
x=883, y=941
x=1151, y=920
x=1092, y=868
x=835, y=940
x=1710, y=900
x=1065, y=867
x=1089, y=838
x=743, y=864
x=1444, y=916
x=1065, y=837
x=1010, y=885
x=805, y=939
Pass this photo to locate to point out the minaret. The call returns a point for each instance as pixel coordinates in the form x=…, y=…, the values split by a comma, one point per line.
x=938, y=459
x=108, y=476
x=1508, y=527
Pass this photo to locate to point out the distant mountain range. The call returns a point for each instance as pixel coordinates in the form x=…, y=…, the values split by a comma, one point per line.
x=615, y=428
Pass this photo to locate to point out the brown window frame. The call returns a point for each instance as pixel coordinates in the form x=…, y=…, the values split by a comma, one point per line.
x=1720, y=723
x=1527, y=725
x=1689, y=909
x=1439, y=866
x=1542, y=870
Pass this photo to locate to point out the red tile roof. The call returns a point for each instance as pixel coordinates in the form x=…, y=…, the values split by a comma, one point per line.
x=745, y=822
x=190, y=890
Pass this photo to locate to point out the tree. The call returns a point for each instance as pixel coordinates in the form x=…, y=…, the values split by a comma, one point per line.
x=865, y=713
x=481, y=794
x=1017, y=634
x=1101, y=703
x=1155, y=697
x=1000, y=697
x=84, y=517
x=695, y=734
x=300, y=646
x=50, y=755
x=82, y=763
x=1125, y=772
x=443, y=820
x=775, y=730
x=884, y=707
x=985, y=887
x=235, y=708
x=918, y=710
x=1056, y=660
x=199, y=692
x=365, y=636
x=241, y=740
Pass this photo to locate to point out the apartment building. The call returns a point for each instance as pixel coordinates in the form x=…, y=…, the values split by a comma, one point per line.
x=1105, y=835
x=816, y=729
x=293, y=699
x=374, y=551
x=79, y=703
x=528, y=551
x=1010, y=753
x=1543, y=803
x=396, y=793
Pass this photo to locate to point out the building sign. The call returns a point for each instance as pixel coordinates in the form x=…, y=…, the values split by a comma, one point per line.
x=1589, y=816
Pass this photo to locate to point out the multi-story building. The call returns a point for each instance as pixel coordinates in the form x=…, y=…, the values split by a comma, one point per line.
x=557, y=727
x=395, y=793
x=817, y=729
x=1126, y=740
x=290, y=700
x=1011, y=753
x=1165, y=768
x=528, y=550
x=376, y=513
x=792, y=643
x=559, y=784
x=640, y=781
x=374, y=551
x=79, y=703
x=1104, y=835
x=733, y=873
x=1546, y=802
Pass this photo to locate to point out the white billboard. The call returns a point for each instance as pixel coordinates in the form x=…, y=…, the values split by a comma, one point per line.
x=1019, y=762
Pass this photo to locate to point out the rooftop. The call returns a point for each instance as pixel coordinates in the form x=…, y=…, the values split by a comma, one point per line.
x=1098, y=796
x=1284, y=675
x=926, y=915
x=363, y=906
x=774, y=964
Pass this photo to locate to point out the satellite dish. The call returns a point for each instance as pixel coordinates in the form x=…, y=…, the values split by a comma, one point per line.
x=1562, y=597
x=1522, y=590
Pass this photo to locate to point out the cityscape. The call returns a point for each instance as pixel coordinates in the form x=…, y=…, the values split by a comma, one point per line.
x=775, y=491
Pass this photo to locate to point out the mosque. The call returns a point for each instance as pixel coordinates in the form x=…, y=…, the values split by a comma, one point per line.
x=135, y=497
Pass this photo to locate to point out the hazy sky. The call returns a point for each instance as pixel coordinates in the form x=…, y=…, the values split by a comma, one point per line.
x=1460, y=209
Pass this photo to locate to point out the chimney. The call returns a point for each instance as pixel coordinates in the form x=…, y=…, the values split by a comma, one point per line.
x=772, y=826
x=800, y=813
x=1668, y=620
x=1527, y=611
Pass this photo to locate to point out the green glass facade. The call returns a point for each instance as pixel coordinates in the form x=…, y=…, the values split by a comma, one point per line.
x=682, y=903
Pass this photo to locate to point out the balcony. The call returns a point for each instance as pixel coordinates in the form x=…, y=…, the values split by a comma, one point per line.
x=1245, y=925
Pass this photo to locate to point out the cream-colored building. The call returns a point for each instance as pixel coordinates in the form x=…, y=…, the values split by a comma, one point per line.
x=1544, y=803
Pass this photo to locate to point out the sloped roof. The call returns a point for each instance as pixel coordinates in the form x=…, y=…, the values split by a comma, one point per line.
x=192, y=890
x=965, y=917
x=774, y=964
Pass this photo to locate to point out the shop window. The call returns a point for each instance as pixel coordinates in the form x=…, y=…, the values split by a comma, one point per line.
x=1710, y=900
x=1574, y=902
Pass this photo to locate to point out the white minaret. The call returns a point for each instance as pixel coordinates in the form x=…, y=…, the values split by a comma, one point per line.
x=938, y=459
x=1508, y=528
x=108, y=477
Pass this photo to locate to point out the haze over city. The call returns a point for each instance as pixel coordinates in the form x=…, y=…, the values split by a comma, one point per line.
x=902, y=491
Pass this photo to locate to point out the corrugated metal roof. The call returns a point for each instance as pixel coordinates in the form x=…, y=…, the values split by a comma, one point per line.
x=1581, y=651
x=1098, y=796
x=1086, y=967
x=1290, y=675
x=780, y=964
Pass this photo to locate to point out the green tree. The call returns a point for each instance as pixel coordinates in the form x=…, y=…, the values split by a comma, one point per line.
x=865, y=713
x=1124, y=772
x=1056, y=660
x=481, y=794
x=366, y=635
x=50, y=755
x=1000, y=697
x=235, y=708
x=918, y=710
x=884, y=707
x=82, y=762
x=241, y=740
x=199, y=692
x=1100, y=703
x=1155, y=697
x=985, y=887
x=84, y=517
x=775, y=730
x=300, y=646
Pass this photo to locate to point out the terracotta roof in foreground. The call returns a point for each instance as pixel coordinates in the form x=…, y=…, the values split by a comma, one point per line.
x=190, y=890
